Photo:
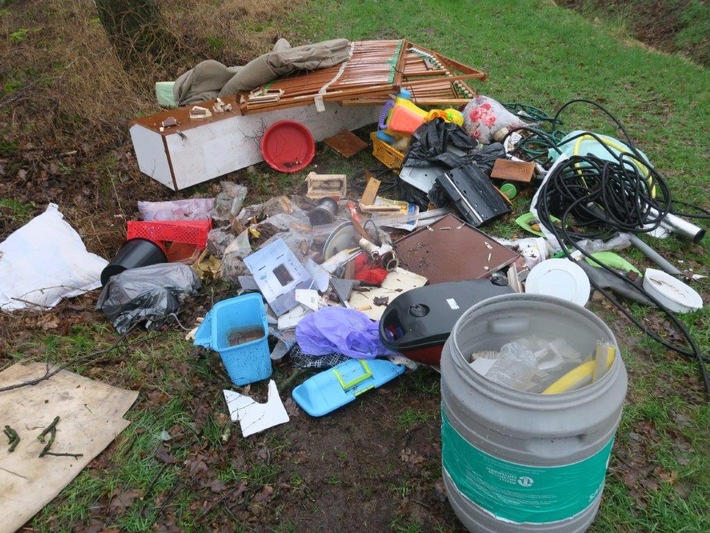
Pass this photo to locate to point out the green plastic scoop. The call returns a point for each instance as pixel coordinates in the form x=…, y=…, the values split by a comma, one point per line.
x=612, y=260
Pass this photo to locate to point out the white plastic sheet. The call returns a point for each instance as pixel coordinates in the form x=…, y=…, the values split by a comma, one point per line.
x=254, y=417
x=44, y=261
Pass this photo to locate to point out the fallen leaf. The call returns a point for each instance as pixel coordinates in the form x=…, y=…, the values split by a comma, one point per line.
x=49, y=322
x=123, y=500
x=95, y=526
x=440, y=490
x=264, y=495
x=669, y=477
x=164, y=456
x=196, y=467
x=292, y=407
x=411, y=458
x=263, y=454
x=217, y=485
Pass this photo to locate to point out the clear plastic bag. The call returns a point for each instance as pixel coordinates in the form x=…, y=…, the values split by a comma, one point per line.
x=233, y=258
x=188, y=209
x=514, y=367
x=230, y=201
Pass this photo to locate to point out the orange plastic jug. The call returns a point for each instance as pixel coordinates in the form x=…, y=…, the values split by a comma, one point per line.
x=405, y=116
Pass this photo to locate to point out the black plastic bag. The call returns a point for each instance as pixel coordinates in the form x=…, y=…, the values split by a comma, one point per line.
x=149, y=293
x=433, y=141
x=485, y=158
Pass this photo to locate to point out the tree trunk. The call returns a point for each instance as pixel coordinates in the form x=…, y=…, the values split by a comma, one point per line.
x=134, y=27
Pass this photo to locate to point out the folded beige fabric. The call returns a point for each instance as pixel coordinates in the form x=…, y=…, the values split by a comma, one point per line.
x=210, y=78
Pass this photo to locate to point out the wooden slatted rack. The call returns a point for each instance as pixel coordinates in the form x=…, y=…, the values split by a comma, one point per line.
x=375, y=70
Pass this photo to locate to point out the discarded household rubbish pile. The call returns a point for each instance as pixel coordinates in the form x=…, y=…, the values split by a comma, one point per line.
x=363, y=287
x=364, y=281
x=331, y=86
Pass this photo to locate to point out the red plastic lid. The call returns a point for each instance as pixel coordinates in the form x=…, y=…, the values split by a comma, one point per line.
x=288, y=146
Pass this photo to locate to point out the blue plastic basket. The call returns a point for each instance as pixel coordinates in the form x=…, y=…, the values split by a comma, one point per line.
x=237, y=329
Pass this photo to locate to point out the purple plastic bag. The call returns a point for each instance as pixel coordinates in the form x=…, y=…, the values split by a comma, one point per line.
x=340, y=330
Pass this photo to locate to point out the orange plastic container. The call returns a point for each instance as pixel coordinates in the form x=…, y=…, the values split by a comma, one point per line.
x=405, y=117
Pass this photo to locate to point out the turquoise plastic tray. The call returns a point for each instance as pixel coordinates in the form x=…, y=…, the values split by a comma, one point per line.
x=337, y=386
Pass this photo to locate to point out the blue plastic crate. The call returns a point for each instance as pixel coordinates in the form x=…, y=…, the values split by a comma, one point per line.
x=237, y=329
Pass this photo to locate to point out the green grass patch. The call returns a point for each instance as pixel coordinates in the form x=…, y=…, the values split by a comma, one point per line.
x=410, y=418
x=17, y=212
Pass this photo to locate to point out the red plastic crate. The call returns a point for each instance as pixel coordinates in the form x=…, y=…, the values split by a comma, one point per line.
x=179, y=231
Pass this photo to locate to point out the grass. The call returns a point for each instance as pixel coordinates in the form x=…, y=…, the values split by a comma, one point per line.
x=411, y=418
x=691, y=20
x=543, y=56
x=138, y=470
x=536, y=53
x=17, y=212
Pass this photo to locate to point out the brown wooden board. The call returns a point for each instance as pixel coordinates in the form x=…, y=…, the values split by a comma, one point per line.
x=451, y=250
x=505, y=169
x=346, y=143
x=90, y=417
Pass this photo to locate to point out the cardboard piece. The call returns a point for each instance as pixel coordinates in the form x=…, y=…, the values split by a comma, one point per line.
x=396, y=282
x=326, y=185
x=370, y=193
x=90, y=419
x=254, y=417
x=520, y=171
x=346, y=143
x=278, y=273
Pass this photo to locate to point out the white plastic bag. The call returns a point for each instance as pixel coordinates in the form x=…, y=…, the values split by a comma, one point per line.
x=44, y=261
x=486, y=120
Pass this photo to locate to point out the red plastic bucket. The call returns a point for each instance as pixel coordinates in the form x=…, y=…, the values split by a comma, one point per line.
x=288, y=146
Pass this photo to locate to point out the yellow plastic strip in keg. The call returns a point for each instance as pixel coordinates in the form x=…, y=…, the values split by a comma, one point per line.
x=580, y=376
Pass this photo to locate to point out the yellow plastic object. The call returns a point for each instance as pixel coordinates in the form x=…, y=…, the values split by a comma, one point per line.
x=405, y=117
x=621, y=148
x=362, y=377
x=385, y=153
x=580, y=376
x=449, y=115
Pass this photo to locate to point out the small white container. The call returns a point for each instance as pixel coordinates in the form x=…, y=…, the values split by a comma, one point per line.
x=671, y=292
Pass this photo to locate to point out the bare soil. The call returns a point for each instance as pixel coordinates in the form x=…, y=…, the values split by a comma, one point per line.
x=654, y=23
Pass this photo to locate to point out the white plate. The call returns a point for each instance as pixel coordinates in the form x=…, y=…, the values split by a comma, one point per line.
x=561, y=278
x=671, y=292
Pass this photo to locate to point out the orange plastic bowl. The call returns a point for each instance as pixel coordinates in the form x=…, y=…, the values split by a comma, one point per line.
x=288, y=146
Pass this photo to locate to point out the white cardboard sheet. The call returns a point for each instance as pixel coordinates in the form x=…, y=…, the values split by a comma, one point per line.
x=90, y=418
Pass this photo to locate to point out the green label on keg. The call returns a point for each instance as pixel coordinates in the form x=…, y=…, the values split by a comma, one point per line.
x=517, y=492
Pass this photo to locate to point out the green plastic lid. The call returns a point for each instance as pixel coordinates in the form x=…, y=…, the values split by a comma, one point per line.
x=509, y=190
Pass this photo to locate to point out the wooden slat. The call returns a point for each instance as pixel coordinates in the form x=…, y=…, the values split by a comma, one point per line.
x=376, y=70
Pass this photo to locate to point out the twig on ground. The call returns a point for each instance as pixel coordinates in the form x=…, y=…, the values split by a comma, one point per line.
x=59, y=368
x=13, y=437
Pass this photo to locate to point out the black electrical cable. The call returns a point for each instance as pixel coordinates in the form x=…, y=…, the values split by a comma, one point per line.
x=704, y=213
x=359, y=182
x=537, y=143
x=611, y=196
x=601, y=197
x=563, y=237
